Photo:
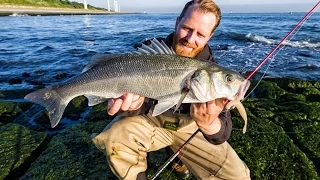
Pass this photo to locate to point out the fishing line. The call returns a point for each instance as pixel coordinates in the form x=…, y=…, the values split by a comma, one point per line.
x=271, y=61
x=286, y=37
x=248, y=77
x=286, y=42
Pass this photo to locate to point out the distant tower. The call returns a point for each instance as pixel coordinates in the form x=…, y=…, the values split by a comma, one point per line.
x=108, y=5
x=115, y=4
x=118, y=7
x=85, y=4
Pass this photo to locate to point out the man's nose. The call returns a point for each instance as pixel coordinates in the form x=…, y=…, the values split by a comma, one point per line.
x=191, y=37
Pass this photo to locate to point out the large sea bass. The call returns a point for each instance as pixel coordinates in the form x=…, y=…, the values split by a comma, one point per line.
x=154, y=72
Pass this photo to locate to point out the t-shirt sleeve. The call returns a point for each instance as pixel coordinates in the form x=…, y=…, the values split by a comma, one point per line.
x=225, y=131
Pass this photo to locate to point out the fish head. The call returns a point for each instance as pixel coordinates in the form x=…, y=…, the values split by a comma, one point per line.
x=227, y=83
x=218, y=82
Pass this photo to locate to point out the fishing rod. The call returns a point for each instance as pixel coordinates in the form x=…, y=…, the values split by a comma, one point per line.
x=248, y=77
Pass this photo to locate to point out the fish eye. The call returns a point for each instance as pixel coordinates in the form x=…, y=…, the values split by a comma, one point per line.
x=229, y=78
x=195, y=74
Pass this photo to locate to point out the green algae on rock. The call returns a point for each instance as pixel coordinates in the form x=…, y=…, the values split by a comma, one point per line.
x=17, y=145
x=72, y=154
x=8, y=111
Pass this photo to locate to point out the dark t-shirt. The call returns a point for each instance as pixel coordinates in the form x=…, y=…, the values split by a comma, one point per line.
x=225, y=117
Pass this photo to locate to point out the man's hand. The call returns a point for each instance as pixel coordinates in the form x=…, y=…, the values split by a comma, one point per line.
x=126, y=102
x=206, y=115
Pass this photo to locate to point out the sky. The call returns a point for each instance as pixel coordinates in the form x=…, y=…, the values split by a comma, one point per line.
x=241, y=6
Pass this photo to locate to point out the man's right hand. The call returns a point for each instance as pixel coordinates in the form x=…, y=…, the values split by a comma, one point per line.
x=128, y=101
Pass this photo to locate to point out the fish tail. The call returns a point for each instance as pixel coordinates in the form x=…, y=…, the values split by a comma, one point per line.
x=52, y=101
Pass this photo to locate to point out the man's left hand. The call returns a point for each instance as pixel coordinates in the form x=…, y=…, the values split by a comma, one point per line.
x=206, y=115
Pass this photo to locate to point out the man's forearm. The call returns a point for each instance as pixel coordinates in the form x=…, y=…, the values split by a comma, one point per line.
x=225, y=130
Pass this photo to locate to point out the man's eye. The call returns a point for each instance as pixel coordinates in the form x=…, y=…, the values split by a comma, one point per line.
x=200, y=35
x=186, y=29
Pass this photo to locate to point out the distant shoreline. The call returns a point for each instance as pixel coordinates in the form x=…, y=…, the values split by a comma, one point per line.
x=48, y=11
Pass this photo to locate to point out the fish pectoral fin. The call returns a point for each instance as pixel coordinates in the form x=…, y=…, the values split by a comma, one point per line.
x=241, y=110
x=94, y=100
x=185, y=90
x=184, y=93
x=161, y=107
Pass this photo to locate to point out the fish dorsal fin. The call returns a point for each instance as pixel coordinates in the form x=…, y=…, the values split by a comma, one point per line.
x=98, y=59
x=155, y=48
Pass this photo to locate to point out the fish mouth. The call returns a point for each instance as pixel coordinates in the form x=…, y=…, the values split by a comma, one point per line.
x=236, y=102
x=242, y=90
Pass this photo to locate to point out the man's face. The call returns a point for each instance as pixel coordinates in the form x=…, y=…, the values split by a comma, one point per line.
x=193, y=31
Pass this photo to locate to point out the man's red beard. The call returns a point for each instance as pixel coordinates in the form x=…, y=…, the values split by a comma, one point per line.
x=178, y=47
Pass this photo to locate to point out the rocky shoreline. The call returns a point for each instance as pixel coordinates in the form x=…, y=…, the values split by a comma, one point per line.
x=282, y=140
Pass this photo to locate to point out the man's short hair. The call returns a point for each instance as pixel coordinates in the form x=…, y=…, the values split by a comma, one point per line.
x=207, y=6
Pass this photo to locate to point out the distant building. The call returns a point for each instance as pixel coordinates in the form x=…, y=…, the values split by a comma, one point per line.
x=85, y=4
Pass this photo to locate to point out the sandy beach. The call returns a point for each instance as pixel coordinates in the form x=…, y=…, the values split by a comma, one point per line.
x=34, y=11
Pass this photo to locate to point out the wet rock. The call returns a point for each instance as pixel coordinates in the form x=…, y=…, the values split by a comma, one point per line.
x=72, y=154
x=36, y=83
x=25, y=74
x=42, y=120
x=269, y=151
x=8, y=111
x=14, y=94
x=18, y=147
x=99, y=112
x=282, y=135
x=270, y=90
x=61, y=76
x=76, y=106
x=15, y=81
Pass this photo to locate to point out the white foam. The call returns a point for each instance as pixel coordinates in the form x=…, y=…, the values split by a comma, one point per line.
x=300, y=44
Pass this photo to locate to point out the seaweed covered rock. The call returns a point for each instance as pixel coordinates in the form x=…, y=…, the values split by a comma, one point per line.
x=14, y=94
x=268, y=89
x=76, y=107
x=9, y=111
x=18, y=146
x=282, y=140
x=72, y=154
x=269, y=152
x=99, y=112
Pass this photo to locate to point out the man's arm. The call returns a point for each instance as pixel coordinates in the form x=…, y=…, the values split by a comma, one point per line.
x=225, y=131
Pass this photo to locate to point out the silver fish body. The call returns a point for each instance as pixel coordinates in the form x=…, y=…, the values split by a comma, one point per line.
x=161, y=76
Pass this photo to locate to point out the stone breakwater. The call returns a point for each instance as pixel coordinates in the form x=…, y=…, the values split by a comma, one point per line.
x=282, y=140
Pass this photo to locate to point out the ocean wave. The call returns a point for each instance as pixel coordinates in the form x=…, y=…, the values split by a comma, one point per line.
x=250, y=37
x=299, y=44
x=308, y=67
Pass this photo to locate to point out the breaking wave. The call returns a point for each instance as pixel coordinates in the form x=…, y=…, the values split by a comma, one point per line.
x=300, y=44
x=266, y=40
